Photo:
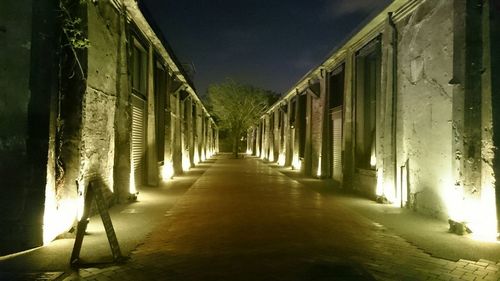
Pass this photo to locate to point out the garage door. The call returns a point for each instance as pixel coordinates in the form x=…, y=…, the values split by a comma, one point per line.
x=337, y=143
x=138, y=137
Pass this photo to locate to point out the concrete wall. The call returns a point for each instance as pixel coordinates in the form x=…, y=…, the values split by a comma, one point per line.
x=98, y=123
x=65, y=114
x=424, y=110
x=28, y=78
x=435, y=111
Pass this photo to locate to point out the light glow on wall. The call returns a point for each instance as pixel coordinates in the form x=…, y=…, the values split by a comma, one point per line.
x=167, y=172
x=379, y=191
x=132, y=189
x=373, y=160
x=196, y=158
x=386, y=189
x=296, y=163
x=271, y=157
x=281, y=159
x=318, y=173
x=58, y=216
x=479, y=214
x=186, y=164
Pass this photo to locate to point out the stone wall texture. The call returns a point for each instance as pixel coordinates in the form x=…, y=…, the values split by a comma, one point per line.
x=424, y=113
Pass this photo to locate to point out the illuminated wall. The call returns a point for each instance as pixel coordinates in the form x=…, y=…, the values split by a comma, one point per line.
x=425, y=132
x=432, y=107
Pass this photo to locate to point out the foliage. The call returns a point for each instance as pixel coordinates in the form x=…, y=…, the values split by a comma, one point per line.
x=237, y=107
x=72, y=25
x=73, y=28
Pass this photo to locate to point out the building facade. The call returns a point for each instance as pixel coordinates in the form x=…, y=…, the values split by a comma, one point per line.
x=91, y=93
x=406, y=111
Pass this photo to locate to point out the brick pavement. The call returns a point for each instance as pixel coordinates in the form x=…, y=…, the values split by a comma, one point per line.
x=243, y=220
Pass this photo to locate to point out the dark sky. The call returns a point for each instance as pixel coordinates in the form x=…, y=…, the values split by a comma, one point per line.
x=266, y=43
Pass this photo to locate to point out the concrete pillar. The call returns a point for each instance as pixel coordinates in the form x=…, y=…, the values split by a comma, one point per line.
x=189, y=131
x=276, y=134
x=323, y=151
x=492, y=34
x=348, y=132
x=386, y=125
x=307, y=168
x=267, y=134
x=168, y=121
x=176, y=133
x=123, y=122
x=199, y=136
x=151, y=154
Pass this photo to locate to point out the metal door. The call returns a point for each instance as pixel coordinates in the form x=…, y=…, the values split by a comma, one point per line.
x=138, y=137
x=337, y=143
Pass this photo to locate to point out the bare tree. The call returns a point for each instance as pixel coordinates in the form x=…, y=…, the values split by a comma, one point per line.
x=238, y=107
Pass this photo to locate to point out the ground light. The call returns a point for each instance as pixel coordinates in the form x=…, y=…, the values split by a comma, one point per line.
x=196, y=158
x=478, y=214
x=271, y=156
x=386, y=191
x=318, y=173
x=132, y=188
x=186, y=164
x=296, y=164
x=58, y=217
x=281, y=160
x=167, y=171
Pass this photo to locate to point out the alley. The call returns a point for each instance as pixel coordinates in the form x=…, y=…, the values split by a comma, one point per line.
x=244, y=220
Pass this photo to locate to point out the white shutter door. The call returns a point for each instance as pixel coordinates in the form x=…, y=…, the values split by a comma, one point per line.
x=138, y=137
x=337, y=144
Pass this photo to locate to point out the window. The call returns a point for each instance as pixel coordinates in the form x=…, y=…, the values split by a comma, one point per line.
x=367, y=89
x=336, y=87
x=139, y=69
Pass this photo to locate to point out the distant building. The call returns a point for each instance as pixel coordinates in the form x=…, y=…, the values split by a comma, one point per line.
x=406, y=110
x=89, y=93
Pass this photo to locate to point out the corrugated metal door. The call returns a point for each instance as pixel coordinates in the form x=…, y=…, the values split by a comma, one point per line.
x=337, y=143
x=138, y=137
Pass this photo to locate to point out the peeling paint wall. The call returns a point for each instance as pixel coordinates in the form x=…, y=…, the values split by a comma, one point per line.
x=424, y=116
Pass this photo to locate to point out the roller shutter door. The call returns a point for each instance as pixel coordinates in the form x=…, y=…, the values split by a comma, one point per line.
x=138, y=137
x=337, y=143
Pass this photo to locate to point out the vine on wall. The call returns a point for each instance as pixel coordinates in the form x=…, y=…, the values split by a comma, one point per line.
x=73, y=28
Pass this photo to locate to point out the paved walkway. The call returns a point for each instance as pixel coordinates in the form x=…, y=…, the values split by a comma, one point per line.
x=244, y=220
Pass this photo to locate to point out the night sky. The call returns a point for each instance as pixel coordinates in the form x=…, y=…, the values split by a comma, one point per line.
x=266, y=43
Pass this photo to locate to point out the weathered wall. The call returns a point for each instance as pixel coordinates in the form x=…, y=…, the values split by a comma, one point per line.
x=98, y=131
x=123, y=120
x=15, y=62
x=28, y=78
x=424, y=113
x=317, y=105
